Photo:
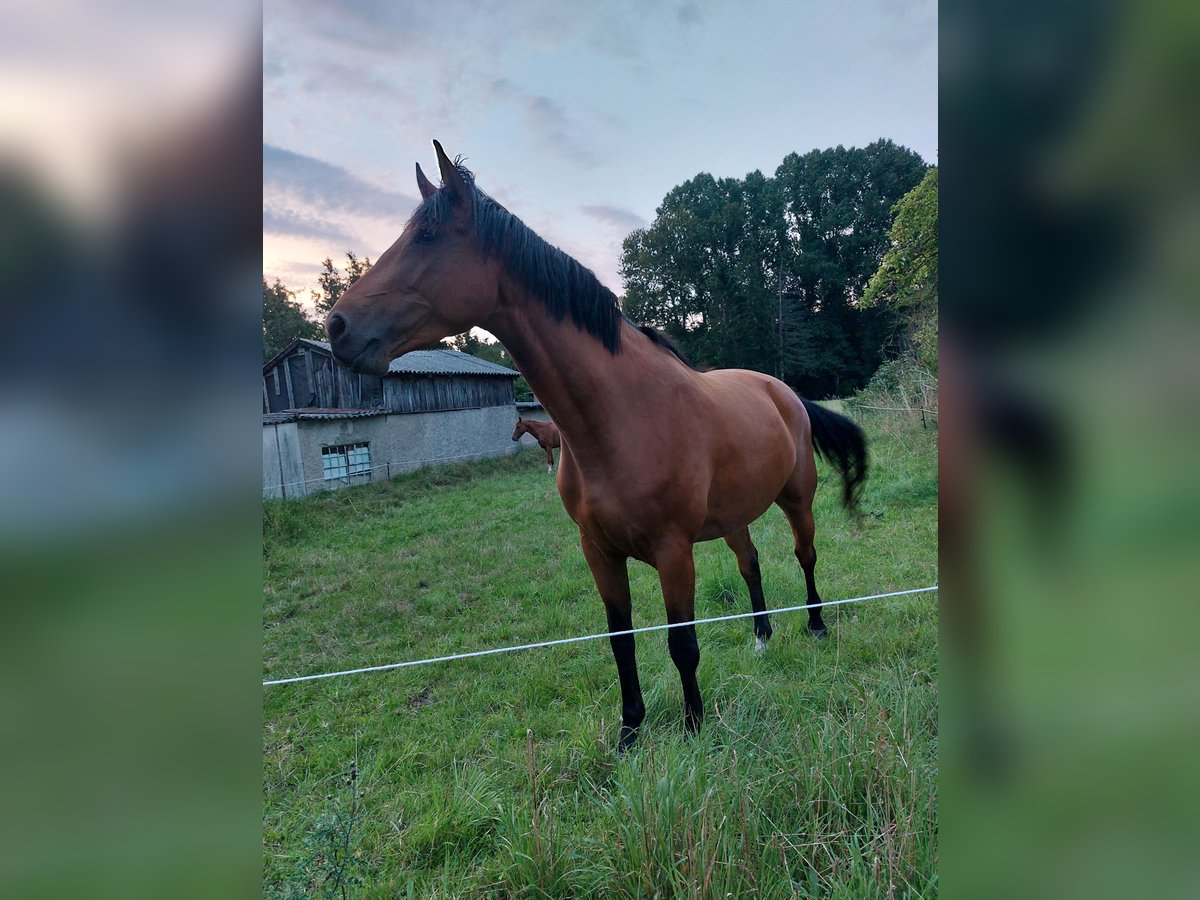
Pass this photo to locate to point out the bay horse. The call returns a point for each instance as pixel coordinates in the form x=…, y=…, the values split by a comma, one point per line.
x=707, y=454
x=545, y=433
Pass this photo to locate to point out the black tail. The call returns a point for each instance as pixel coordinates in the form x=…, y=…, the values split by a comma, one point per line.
x=842, y=443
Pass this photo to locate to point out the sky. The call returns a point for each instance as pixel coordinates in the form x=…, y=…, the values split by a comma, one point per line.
x=577, y=117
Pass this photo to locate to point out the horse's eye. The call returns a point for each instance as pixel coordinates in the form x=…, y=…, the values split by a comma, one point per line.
x=425, y=236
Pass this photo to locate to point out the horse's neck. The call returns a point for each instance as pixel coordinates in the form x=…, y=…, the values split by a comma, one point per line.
x=582, y=386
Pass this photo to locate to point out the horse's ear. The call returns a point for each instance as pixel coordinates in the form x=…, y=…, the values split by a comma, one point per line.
x=452, y=179
x=424, y=184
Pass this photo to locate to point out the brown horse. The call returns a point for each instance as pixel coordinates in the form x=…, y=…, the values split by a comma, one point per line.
x=704, y=456
x=545, y=433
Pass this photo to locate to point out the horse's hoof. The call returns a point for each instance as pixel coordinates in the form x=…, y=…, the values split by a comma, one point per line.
x=760, y=646
x=627, y=739
x=817, y=632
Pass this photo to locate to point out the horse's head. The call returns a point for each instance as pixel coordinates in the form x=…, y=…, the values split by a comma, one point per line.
x=520, y=429
x=432, y=283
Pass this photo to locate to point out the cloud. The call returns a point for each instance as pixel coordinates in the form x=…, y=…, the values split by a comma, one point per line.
x=307, y=268
x=689, y=14
x=616, y=38
x=552, y=124
x=357, y=82
x=549, y=122
x=615, y=216
x=911, y=26
x=291, y=223
x=309, y=182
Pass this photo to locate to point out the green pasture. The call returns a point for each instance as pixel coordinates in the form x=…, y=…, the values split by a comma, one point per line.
x=815, y=774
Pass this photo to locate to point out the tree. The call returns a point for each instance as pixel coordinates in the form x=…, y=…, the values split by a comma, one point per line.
x=837, y=209
x=467, y=342
x=907, y=279
x=767, y=273
x=334, y=283
x=704, y=271
x=284, y=320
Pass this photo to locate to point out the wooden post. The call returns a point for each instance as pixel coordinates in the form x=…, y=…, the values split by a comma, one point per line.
x=287, y=377
x=312, y=378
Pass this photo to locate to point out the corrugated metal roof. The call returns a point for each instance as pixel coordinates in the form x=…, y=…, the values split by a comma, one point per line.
x=427, y=362
x=446, y=362
x=313, y=412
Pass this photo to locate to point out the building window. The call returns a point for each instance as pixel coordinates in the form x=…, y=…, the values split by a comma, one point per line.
x=341, y=462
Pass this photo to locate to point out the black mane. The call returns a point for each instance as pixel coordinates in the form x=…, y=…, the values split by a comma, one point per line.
x=563, y=284
x=665, y=342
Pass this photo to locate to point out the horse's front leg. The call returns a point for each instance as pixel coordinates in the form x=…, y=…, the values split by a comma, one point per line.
x=611, y=574
x=677, y=575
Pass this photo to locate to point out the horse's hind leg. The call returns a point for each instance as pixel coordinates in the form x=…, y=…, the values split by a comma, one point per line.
x=747, y=557
x=797, y=506
x=677, y=576
x=549, y=459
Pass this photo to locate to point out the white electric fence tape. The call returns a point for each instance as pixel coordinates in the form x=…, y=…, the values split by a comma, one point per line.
x=589, y=637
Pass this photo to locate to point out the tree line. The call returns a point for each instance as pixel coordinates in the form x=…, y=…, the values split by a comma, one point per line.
x=811, y=275
x=769, y=273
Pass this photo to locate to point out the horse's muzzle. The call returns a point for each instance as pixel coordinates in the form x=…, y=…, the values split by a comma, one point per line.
x=355, y=351
x=365, y=359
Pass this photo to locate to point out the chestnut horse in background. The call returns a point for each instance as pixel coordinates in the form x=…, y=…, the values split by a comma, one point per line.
x=545, y=433
x=707, y=454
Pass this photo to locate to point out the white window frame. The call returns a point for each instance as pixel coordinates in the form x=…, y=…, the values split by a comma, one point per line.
x=342, y=462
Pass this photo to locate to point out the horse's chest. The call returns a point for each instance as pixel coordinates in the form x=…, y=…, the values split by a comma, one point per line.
x=617, y=514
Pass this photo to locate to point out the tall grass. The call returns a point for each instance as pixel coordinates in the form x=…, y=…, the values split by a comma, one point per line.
x=903, y=390
x=815, y=773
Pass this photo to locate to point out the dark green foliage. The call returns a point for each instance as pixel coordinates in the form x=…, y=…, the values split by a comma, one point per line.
x=330, y=866
x=334, y=283
x=704, y=271
x=766, y=273
x=284, y=320
x=907, y=280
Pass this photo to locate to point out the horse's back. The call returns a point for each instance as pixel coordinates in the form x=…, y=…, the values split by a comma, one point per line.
x=757, y=396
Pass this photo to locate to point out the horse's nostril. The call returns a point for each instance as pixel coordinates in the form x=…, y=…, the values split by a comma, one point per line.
x=336, y=326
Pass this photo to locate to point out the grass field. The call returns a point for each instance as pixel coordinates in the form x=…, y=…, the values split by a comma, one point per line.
x=815, y=773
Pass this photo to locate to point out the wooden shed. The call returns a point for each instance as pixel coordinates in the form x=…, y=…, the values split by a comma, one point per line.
x=325, y=426
x=305, y=375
